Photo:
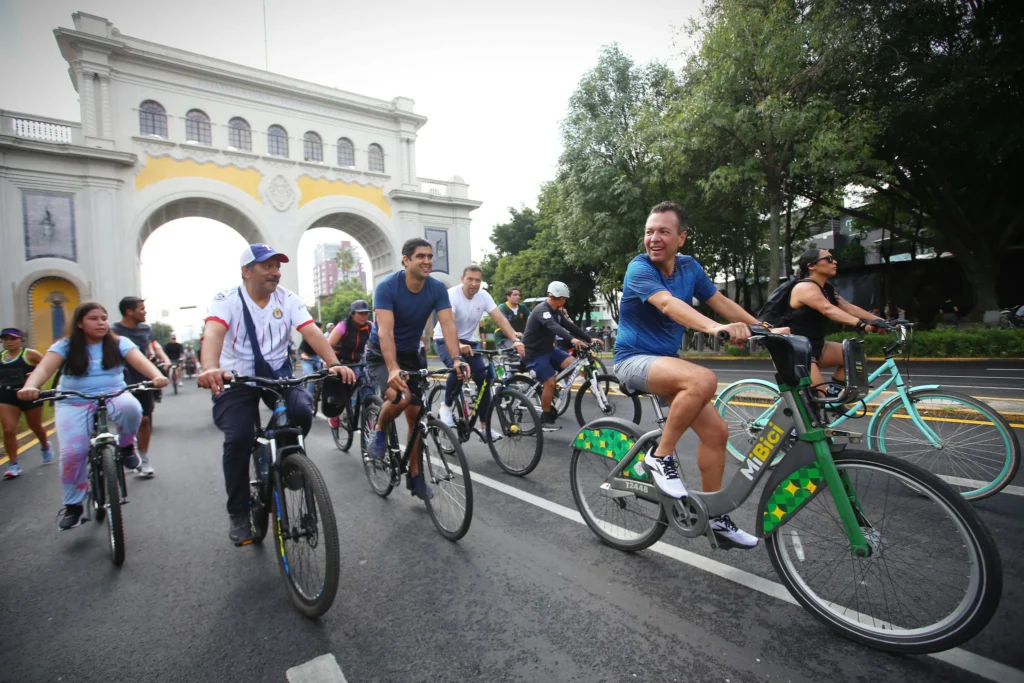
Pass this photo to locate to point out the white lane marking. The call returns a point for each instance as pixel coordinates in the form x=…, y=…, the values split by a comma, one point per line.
x=976, y=484
x=322, y=669
x=1005, y=370
x=976, y=664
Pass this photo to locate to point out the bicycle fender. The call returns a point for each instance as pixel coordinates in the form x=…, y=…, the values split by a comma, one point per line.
x=792, y=484
x=895, y=398
x=612, y=437
x=761, y=382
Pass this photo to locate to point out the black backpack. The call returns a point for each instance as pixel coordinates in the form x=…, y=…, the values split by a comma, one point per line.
x=776, y=307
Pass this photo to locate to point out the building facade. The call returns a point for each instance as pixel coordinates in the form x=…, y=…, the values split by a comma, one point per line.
x=167, y=134
x=328, y=271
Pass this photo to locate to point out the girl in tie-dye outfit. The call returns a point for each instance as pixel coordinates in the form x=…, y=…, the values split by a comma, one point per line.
x=93, y=359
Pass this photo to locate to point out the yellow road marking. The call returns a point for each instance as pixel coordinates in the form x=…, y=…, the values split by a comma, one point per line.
x=29, y=445
x=1015, y=425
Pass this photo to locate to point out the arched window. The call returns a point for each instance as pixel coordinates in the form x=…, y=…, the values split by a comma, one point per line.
x=197, y=128
x=346, y=153
x=240, y=134
x=277, y=141
x=152, y=119
x=312, y=147
x=376, y=156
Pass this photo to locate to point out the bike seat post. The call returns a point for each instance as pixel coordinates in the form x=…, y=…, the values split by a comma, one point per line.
x=659, y=414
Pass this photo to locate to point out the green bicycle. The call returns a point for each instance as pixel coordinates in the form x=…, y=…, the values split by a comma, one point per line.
x=964, y=441
x=891, y=556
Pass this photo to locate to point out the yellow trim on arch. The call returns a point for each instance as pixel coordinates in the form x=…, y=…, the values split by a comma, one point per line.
x=164, y=168
x=315, y=188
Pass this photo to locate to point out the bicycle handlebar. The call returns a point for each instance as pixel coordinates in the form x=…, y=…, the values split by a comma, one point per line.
x=62, y=394
x=425, y=372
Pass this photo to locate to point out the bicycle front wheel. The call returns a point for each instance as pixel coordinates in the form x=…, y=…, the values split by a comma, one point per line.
x=588, y=403
x=308, y=549
x=444, y=465
x=512, y=414
x=933, y=577
x=342, y=434
x=745, y=407
x=112, y=486
x=975, y=450
x=377, y=471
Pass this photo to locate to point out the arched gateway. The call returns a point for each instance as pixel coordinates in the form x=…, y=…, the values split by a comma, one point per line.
x=169, y=134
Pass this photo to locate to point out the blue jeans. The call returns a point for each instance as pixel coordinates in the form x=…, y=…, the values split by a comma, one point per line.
x=308, y=368
x=479, y=370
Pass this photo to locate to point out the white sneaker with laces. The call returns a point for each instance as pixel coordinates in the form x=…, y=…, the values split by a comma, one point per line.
x=496, y=436
x=665, y=472
x=146, y=470
x=731, y=536
x=445, y=415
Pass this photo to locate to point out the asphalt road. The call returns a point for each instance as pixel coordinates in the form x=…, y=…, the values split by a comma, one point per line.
x=528, y=595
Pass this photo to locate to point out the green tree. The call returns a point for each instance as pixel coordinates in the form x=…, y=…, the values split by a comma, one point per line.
x=944, y=80
x=510, y=238
x=335, y=309
x=161, y=332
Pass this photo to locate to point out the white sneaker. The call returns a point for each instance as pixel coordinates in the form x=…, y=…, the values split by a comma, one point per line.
x=665, y=472
x=146, y=470
x=445, y=415
x=731, y=536
x=495, y=436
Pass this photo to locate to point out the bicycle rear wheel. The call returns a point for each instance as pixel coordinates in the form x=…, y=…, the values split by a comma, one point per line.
x=343, y=433
x=259, y=507
x=308, y=550
x=745, y=407
x=977, y=451
x=626, y=523
x=377, y=471
x=112, y=489
x=588, y=407
x=933, y=578
x=512, y=414
x=444, y=466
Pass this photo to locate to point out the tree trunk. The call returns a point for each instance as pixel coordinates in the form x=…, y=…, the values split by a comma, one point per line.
x=612, y=300
x=787, y=256
x=775, y=220
x=982, y=272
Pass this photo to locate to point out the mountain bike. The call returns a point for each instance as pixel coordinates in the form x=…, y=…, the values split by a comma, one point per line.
x=442, y=463
x=348, y=421
x=510, y=412
x=592, y=397
x=891, y=556
x=284, y=481
x=961, y=439
x=108, y=490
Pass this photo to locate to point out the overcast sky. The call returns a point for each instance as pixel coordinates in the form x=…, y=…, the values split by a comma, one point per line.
x=494, y=81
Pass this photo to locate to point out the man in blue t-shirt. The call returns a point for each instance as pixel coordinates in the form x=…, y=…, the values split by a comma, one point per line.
x=653, y=316
x=402, y=304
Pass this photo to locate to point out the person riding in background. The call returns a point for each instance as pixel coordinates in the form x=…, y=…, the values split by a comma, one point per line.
x=813, y=302
x=516, y=314
x=16, y=364
x=310, y=361
x=133, y=326
x=175, y=354
x=546, y=324
x=469, y=304
x=403, y=302
x=93, y=358
x=348, y=338
x=247, y=332
x=655, y=311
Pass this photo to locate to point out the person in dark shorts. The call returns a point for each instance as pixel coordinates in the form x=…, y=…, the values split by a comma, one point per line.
x=402, y=304
x=813, y=302
x=133, y=326
x=16, y=364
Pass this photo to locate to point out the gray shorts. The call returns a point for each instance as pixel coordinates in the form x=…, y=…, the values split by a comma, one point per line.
x=632, y=373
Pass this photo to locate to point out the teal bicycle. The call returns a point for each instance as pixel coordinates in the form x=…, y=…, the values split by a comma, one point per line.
x=959, y=438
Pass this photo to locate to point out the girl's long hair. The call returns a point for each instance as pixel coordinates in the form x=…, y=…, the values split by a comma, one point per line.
x=806, y=260
x=77, y=362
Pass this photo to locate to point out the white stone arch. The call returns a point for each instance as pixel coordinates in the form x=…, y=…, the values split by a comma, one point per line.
x=366, y=223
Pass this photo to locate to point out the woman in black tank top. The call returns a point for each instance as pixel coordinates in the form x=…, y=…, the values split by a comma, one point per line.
x=16, y=364
x=813, y=302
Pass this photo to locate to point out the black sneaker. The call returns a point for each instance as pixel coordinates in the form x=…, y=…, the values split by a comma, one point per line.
x=129, y=458
x=419, y=487
x=547, y=421
x=241, y=530
x=72, y=517
x=834, y=390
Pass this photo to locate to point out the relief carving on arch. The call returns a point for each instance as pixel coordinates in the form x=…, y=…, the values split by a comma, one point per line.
x=279, y=193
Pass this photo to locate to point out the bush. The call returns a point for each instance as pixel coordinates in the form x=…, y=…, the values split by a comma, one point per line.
x=971, y=343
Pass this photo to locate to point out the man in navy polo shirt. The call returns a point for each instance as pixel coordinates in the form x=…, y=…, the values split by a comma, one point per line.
x=402, y=304
x=655, y=311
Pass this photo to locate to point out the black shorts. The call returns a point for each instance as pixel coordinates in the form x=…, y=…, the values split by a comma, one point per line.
x=817, y=348
x=9, y=397
x=378, y=369
x=145, y=399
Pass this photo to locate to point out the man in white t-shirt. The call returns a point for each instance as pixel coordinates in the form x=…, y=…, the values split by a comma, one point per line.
x=247, y=332
x=469, y=305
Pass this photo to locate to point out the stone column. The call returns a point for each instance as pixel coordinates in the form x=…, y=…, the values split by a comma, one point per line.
x=88, y=103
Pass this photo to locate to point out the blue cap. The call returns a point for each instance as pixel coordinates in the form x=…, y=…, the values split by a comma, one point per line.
x=12, y=332
x=260, y=253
